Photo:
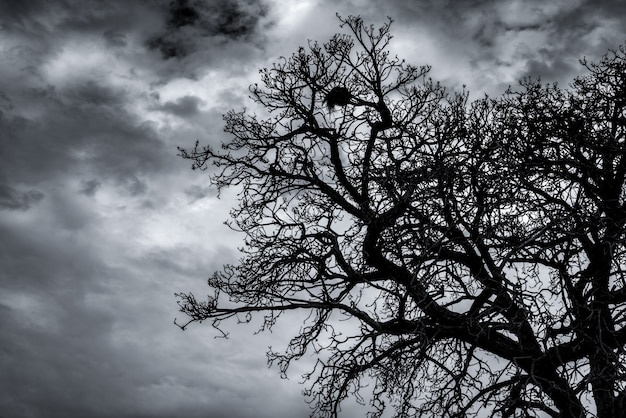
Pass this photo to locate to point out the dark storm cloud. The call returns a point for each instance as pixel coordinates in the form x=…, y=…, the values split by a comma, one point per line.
x=185, y=106
x=548, y=66
x=197, y=192
x=13, y=199
x=181, y=14
x=93, y=95
x=46, y=264
x=114, y=38
x=18, y=12
x=189, y=22
x=90, y=187
x=64, y=361
x=82, y=126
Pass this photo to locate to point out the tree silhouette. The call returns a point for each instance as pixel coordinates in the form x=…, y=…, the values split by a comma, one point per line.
x=463, y=258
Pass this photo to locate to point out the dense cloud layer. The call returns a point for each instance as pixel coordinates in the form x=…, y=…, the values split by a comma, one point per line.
x=101, y=223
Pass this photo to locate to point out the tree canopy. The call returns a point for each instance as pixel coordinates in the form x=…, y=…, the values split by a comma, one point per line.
x=474, y=251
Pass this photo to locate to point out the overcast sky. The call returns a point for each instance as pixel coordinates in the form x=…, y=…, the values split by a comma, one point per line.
x=100, y=221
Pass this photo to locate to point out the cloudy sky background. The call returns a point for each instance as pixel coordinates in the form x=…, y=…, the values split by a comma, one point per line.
x=100, y=221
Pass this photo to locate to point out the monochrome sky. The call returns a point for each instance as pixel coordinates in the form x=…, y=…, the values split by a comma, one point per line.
x=100, y=221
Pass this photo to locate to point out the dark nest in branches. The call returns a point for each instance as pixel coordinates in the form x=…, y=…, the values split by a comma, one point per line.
x=338, y=96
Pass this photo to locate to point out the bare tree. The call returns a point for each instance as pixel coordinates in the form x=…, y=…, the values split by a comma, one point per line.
x=475, y=251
